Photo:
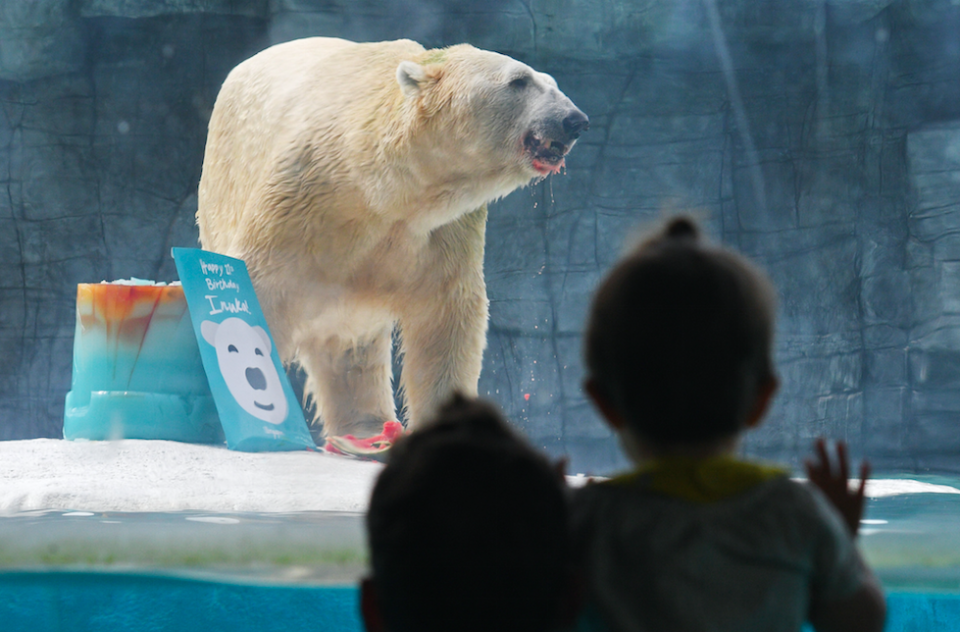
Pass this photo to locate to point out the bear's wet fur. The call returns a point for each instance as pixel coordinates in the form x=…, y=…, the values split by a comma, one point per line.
x=353, y=179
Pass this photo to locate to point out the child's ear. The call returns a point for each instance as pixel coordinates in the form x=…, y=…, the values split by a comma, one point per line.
x=610, y=414
x=762, y=402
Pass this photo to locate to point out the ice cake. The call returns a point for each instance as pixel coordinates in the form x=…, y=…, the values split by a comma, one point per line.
x=137, y=372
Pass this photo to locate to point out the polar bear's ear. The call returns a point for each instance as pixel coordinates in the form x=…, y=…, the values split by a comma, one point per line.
x=410, y=76
x=208, y=329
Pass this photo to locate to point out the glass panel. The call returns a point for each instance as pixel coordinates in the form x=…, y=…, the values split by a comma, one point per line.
x=820, y=138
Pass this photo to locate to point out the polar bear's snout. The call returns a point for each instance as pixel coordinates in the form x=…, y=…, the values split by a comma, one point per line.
x=548, y=145
x=575, y=123
x=562, y=130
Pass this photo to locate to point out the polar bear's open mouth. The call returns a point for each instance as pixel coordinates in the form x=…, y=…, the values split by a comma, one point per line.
x=546, y=157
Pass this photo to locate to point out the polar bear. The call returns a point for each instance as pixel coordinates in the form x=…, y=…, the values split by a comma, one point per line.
x=353, y=179
x=243, y=355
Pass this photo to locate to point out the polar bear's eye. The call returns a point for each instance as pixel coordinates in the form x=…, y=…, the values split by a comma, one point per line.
x=519, y=83
x=258, y=352
x=232, y=349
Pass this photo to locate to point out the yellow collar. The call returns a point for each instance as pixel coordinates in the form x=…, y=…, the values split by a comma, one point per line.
x=698, y=480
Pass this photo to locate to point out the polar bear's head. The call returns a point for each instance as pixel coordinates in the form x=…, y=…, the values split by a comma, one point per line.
x=243, y=353
x=492, y=113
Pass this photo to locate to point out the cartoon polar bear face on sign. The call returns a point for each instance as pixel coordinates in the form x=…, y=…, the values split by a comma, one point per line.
x=243, y=353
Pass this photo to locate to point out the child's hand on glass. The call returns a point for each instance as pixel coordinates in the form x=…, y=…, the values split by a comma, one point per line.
x=835, y=483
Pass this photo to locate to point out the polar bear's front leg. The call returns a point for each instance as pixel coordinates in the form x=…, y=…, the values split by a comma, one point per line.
x=442, y=352
x=444, y=331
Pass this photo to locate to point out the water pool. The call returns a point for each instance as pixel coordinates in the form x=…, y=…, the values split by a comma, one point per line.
x=87, y=570
x=84, y=601
x=63, y=602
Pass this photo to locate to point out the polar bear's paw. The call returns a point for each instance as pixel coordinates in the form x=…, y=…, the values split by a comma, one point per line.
x=375, y=447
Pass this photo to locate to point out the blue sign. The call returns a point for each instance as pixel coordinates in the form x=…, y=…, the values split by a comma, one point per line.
x=257, y=406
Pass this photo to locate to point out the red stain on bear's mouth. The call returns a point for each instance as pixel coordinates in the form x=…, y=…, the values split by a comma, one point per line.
x=545, y=157
x=546, y=169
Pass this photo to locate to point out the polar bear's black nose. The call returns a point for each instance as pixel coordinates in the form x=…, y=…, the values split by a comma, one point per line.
x=574, y=123
x=256, y=380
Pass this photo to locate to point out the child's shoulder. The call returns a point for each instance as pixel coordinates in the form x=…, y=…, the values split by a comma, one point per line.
x=718, y=489
x=702, y=481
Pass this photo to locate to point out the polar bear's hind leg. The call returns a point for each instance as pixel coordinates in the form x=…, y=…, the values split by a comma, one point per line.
x=350, y=382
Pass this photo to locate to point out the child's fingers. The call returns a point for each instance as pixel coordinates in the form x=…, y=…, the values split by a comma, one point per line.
x=821, y=447
x=842, y=460
x=864, y=475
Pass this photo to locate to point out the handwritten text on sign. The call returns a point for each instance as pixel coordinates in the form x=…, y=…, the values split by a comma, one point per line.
x=214, y=275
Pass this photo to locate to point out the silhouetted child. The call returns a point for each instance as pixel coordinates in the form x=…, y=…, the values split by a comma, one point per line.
x=678, y=354
x=468, y=531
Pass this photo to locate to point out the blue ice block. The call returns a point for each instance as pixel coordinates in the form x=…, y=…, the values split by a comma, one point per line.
x=137, y=372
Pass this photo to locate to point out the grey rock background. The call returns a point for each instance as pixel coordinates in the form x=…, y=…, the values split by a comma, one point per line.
x=829, y=152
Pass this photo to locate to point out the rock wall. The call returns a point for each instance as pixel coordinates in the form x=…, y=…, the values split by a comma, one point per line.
x=817, y=137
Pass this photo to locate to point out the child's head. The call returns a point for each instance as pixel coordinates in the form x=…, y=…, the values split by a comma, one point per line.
x=467, y=530
x=679, y=340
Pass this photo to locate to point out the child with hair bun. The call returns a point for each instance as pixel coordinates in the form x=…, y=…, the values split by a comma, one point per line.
x=679, y=360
